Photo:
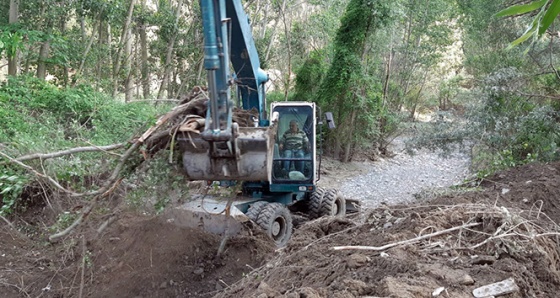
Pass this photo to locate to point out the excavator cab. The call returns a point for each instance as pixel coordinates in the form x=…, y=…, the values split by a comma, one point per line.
x=294, y=149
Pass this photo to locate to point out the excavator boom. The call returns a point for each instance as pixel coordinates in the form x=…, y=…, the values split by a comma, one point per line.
x=224, y=150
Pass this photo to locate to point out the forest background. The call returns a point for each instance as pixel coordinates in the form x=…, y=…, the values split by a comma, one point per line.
x=98, y=72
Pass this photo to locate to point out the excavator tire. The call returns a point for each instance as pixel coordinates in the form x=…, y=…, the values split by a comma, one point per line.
x=276, y=221
x=255, y=209
x=333, y=204
x=314, y=203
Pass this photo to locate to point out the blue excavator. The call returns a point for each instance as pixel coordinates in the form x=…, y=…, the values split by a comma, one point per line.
x=269, y=184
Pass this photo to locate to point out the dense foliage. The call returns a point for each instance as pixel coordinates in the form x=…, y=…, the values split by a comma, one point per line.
x=39, y=117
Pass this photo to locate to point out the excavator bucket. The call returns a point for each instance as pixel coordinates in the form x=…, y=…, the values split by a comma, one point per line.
x=247, y=156
x=210, y=214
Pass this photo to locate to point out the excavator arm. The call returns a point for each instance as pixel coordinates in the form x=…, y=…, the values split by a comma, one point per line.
x=223, y=150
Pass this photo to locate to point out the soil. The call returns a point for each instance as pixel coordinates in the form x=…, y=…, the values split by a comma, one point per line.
x=505, y=226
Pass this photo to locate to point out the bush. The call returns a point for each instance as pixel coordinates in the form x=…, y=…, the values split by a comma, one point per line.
x=36, y=116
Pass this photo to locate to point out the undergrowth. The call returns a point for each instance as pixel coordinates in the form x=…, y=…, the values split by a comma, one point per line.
x=39, y=117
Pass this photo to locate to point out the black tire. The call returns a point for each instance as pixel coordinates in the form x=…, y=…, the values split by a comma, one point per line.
x=333, y=204
x=255, y=209
x=314, y=203
x=276, y=221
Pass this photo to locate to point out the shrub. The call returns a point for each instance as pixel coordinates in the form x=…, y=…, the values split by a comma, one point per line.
x=37, y=116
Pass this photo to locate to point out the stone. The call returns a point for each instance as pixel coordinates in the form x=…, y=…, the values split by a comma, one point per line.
x=503, y=287
x=357, y=260
x=438, y=291
x=466, y=280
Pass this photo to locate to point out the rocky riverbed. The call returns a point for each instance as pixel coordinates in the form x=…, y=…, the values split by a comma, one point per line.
x=402, y=178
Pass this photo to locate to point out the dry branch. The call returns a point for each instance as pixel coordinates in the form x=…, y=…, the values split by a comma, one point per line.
x=7, y=222
x=69, y=151
x=110, y=183
x=30, y=169
x=153, y=100
x=408, y=241
x=109, y=186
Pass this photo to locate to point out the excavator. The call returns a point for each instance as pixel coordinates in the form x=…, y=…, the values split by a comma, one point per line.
x=268, y=183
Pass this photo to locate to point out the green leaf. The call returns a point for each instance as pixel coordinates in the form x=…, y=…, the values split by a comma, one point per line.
x=521, y=9
x=530, y=32
x=6, y=190
x=551, y=14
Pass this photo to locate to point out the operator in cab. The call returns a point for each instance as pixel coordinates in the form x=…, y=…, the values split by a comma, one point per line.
x=294, y=143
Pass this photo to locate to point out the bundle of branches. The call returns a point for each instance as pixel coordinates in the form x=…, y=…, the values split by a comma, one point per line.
x=472, y=229
x=189, y=116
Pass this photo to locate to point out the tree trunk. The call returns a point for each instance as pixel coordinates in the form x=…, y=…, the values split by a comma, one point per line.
x=287, y=81
x=127, y=67
x=86, y=51
x=387, y=77
x=125, y=36
x=144, y=56
x=103, y=39
x=66, y=68
x=44, y=54
x=13, y=59
x=169, y=55
x=273, y=36
x=349, y=144
x=417, y=99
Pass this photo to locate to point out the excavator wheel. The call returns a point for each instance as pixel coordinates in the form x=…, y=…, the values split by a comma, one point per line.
x=314, y=203
x=255, y=209
x=333, y=204
x=276, y=221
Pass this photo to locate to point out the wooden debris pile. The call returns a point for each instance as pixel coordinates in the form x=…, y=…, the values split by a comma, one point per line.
x=467, y=229
x=188, y=116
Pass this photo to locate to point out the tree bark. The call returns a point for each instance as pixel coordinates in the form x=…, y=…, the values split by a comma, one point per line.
x=13, y=18
x=387, y=75
x=86, y=51
x=169, y=56
x=44, y=54
x=287, y=27
x=127, y=67
x=124, y=37
x=349, y=144
x=144, y=56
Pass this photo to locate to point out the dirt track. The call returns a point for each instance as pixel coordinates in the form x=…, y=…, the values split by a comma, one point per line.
x=514, y=216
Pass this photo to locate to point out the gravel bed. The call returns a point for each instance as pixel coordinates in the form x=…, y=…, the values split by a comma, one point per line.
x=404, y=178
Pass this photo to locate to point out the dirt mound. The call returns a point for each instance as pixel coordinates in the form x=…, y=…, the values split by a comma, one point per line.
x=506, y=228
x=153, y=258
x=136, y=257
x=456, y=243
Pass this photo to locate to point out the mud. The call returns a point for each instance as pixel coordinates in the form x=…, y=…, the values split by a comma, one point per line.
x=509, y=230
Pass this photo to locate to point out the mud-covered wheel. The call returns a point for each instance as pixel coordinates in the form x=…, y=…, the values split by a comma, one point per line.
x=255, y=209
x=314, y=203
x=333, y=204
x=276, y=221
